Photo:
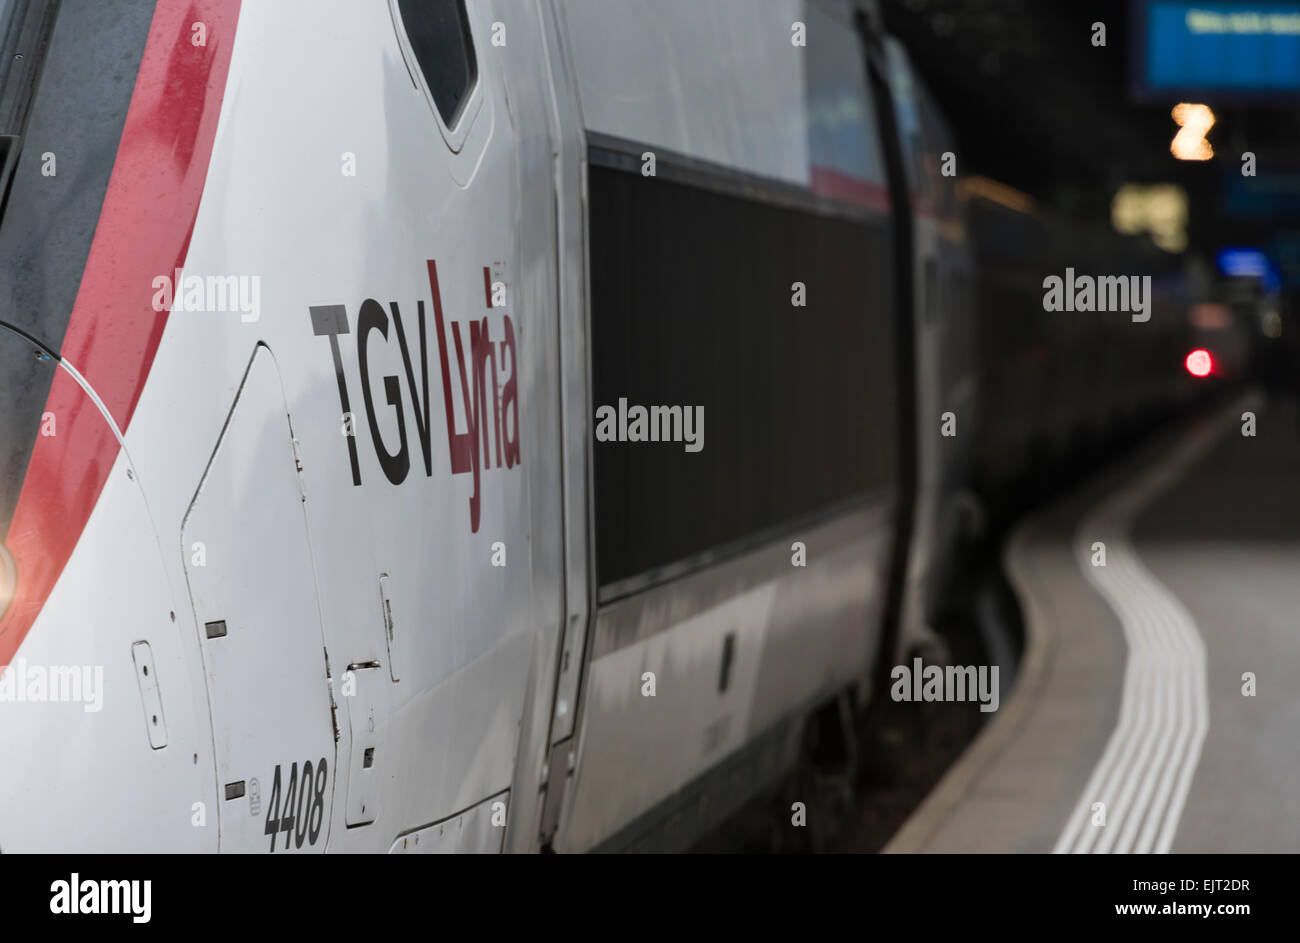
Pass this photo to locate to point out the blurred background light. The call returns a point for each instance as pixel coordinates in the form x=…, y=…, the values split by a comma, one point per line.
x=1158, y=208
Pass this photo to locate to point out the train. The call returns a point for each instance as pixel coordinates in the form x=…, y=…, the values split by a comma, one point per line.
x=481, y=426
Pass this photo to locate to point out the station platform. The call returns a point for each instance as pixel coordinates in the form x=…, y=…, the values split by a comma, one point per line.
x=1156, y=707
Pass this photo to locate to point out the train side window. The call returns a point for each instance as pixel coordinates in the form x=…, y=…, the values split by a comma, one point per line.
x=438, y=31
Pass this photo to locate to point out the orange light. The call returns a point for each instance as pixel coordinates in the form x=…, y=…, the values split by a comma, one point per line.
x=1199, y=363
x=8, y=582
x=1194, y=123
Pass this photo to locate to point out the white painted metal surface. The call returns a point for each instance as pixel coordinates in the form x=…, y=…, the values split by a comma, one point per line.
x=717, y=81
x=728, y=82
x=250, y=576
x=91, y=779
x=479, y=830
x=799, y=633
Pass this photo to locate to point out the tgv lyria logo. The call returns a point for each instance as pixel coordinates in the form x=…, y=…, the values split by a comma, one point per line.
x=487, y=384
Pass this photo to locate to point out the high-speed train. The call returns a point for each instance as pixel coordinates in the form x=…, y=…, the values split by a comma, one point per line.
x=431, y=425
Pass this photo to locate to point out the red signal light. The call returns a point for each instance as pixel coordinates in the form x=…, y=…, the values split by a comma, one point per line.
x=1200, y=363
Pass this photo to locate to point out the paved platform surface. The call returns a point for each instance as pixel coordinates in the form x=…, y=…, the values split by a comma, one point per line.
x=1128, y=730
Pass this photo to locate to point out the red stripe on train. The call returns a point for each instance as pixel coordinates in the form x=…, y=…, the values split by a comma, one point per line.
x=113, y=332
x=827, y=181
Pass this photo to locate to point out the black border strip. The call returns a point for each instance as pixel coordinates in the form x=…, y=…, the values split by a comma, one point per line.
x=623, y=154
x=733, y=549
x=616, y=153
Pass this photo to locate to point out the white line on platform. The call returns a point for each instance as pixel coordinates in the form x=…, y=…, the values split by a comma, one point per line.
x=1146, y=769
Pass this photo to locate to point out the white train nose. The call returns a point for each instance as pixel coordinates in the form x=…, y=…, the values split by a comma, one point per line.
x=95, y=679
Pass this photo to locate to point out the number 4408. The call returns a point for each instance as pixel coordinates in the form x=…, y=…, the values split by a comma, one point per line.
x=304, y=806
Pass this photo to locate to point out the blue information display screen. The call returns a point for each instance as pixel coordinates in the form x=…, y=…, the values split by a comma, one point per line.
x=1240, y=49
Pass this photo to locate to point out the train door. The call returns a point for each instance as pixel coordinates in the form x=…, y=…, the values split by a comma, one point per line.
x=556, y=103
x=902, y=238
x=249, y=566
x=466, y=542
